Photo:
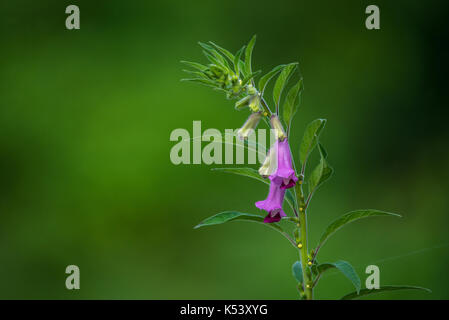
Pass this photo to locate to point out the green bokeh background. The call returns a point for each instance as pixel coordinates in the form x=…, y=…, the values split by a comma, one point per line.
x=85, y=171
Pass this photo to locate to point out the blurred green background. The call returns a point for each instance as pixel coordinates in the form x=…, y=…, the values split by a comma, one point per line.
x=85, y=172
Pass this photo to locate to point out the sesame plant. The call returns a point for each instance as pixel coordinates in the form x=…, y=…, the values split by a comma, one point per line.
x=288, y=180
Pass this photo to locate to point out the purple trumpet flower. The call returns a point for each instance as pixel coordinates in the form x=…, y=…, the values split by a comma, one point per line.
x=273, y=203
x=284, y=174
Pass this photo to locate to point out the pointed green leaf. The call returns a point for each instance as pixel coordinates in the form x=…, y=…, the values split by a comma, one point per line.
x=206, y=82
x=210, y=50
x=197, y=73
x=345, y=268
x=250, y=76
x=365, y=292
x=263, y=82
x=348, y=218
x=195, y=65
x=247, y=172
x=215, y=61
x=242, y=68
x=322, y=151
x=321, y=173
x=290, y=105
x=237, y=60
x=252, y=173
x=281, y=82
x=228, y=216
x=215, y=57
x=223, y=51
x=310, y=139
x=297, y=271
x=248, y=54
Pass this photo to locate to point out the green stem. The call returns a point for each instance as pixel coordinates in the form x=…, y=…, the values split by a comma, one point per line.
x=303, y=251
x=301, y=224
x=265, y=107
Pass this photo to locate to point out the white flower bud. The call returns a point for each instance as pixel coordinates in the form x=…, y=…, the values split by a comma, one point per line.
x=270, y=163
x=277, y=127
x=249, y=125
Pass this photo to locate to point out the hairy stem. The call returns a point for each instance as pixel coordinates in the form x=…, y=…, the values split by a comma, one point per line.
x=265, y=107
x=301, y=221
x=303, y=251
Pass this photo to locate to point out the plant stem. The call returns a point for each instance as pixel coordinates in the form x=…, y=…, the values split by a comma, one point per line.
x=303, y=251
x=302, y=224
x=265, y=107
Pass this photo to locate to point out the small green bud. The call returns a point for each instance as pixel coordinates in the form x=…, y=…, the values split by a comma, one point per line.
x=242, y=102
x=254, y=103
x=236, y=90
x=251, y=90
x=298, y=240
x=216, y=71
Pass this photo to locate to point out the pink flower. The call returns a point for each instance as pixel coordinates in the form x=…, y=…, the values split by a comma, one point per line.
x=273, y=203
x=284, y=174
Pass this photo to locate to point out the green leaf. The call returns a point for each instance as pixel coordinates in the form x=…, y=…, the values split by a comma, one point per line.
x=237, y=60
x=214, y=60
x=247, y=172
x=321, y=173
x=242, y=68
x=345, y=268
x=197, y=73
x=263, y=82
x=209, y=50
x=322, y=151
x=223, y=51
x=215, y=57
x=250, y=76
x=297, y=271
x=228, y=216
x=195, y=65
x=365, y=292
x=206, y=82
x=310, y=139
x=348, y=218
x=290, y=105
x=248, y=54
x=252, y=173
x=281, y=81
